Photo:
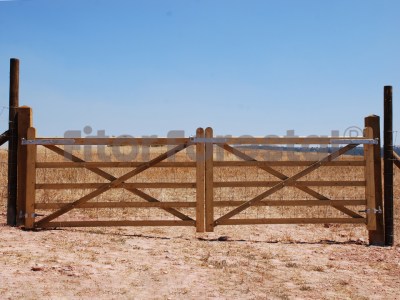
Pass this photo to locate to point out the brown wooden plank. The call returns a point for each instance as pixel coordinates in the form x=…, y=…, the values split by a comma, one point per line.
x=114, y=183
x=133, y=185
x=4, y=137
x=30, y=181
x=189, y=164
x=110, y=204
x=239, y=184
x=209, y=182
x=200, y=182
x=282, y=176
x=284, y=183
x=293, y=221
x=110, y=177
x=124, y=164
x=292, y=203
x=255, y=163
x=114, y=223
x=396, y=159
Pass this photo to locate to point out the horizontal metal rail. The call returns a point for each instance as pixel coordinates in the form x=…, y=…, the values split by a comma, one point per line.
x=176, y=141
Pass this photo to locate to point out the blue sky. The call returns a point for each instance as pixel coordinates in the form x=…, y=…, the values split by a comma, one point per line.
x=242, y=67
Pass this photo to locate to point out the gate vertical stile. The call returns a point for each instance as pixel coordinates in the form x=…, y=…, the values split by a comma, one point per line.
x=376, y=237
x=24, y=122
x=200, y=185
x=209, y=180
x=369, y=181
x=30, y=180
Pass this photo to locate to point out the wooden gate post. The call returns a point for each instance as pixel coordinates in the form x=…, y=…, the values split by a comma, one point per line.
x=388, y=165
x=30, y=180
x=13, y=143
x=376, y=237
x=209, y=181
x=200, y=186
x=24, y=122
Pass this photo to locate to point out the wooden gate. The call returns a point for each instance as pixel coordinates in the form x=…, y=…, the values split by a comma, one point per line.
x=39, y=210
x=232, y=200
x=204, y=181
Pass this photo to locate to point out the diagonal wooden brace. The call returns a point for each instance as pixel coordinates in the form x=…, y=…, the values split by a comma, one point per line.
x=110, y=177
x=114, y=183
x=282, y=176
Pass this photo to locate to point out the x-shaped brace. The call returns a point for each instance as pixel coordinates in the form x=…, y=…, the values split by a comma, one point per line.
x=286, y=180
x=114, y=182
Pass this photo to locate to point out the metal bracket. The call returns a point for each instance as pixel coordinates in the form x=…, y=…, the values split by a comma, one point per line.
x=372, y=211
x=354, y=141
x=48, y=142
x=208, y=140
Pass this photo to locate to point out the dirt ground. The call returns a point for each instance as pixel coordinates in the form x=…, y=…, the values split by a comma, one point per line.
x=255, y=262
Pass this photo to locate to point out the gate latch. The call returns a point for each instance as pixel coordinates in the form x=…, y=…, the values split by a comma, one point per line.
x=372, y=210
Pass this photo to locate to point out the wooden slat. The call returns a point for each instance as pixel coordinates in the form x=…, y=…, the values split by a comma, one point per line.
x=282, y=176
x=110, y=177
x=293, y=221
x=255, y=163
x=111, y=204
x=209, y=182
x=114, y=223
x=53, y=205
x=238, y=184
x=114, y=183
x=4, y=137
x=178, y=164
x=120, y=141
x=134, y=185
x=200, y=182
x=30, y=181
x=396, y=159
x=292, y=203
x=125, y=164
x=284, y=183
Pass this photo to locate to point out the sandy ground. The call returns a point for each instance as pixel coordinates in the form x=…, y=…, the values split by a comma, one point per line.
x=255, y=262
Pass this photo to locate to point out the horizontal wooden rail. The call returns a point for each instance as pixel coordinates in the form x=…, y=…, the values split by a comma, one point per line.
x=135, y=185
x=115, y=223
x=339, y=163
x=189, y=185
x=177, y=204
x=190, y=164
x=114, y=204
x=237, y=184
x=293, y=221
x=293, y=203
x=128, y=164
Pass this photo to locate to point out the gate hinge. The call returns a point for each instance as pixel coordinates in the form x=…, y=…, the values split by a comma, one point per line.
x=372, y=210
